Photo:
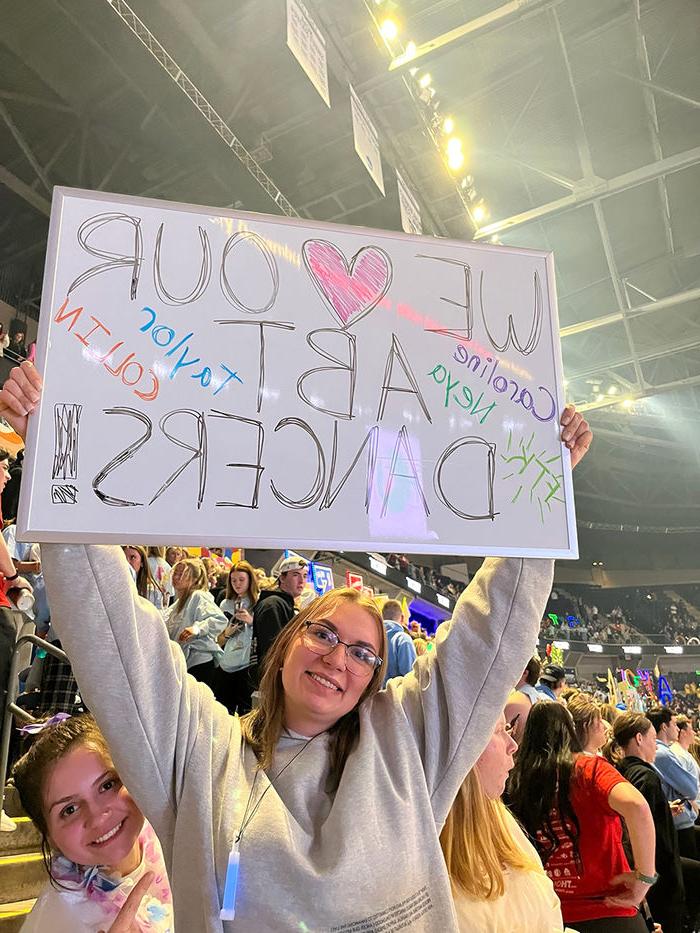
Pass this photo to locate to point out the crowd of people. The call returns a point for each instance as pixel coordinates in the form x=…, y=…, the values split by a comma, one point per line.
x=646, y=617
x=370, y=778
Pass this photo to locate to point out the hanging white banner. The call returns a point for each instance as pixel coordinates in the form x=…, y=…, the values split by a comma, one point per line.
x=366, y=140
x=410, y=210
x=308, y=45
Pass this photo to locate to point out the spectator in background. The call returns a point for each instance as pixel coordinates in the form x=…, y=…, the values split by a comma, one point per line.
x=635, y=736
x=681, y=749
x=570, y=804
x=275, y=607
x=10, y=495
x=523, y=698
x=194, y=620
x=18, y=332
x=588, y=723
x=160, y=571
x=497, y=878
x=4, y=339
x=146, y=586
x=401, y=650
x=678, y=784
x=174, y=553
x=552, y=682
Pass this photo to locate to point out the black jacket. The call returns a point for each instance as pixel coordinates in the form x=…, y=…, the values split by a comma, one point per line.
x=668, y=892
x=273, y=610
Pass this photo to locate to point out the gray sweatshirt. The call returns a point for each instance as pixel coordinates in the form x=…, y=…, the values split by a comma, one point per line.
x=366, y=859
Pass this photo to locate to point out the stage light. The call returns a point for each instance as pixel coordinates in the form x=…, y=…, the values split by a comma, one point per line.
x=600, y=398
x=389, y=29
x=425, y=79
x=494, y=239
x=410, y=50
x=627, y=403
x=613, y=390
x=479, y=213
x=454, y=144
x=455, y=160
x=449, y=125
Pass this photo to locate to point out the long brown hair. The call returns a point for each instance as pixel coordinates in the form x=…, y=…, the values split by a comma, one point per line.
x=253, y=588
x=144, y=577
x=263, y=726
x=31, y=772
x=478, y=844
x=197, y=580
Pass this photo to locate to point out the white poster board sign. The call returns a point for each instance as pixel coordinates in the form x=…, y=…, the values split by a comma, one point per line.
x=214, y=377
x=366, y=140
x=410, y=209
x=306, y=42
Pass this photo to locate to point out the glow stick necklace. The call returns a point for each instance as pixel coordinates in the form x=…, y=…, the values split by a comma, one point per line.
x=228, y=909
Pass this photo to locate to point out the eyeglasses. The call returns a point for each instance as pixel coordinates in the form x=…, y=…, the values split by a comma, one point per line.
x=321, y=639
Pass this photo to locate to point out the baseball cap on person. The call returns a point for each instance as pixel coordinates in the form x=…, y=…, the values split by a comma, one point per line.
x=551, y=673
x=291, y=563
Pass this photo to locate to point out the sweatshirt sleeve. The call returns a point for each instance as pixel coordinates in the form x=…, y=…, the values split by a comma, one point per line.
x=207, y=618
x=681, y=782
x=450, y=702
x=132, y=677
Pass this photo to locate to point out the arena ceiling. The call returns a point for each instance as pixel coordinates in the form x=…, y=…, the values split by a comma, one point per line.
x=581, y=124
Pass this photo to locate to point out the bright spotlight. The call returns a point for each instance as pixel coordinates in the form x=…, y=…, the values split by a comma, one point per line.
x=613, y=390
x=479, y=213
x=425, y=80
x=454, y=144
x=627, y=403
x=410, y=50
x=389, y=29
x=455, y=160
x=448, y=126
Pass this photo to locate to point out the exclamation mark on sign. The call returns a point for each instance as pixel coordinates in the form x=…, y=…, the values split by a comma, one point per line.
x=66, y=423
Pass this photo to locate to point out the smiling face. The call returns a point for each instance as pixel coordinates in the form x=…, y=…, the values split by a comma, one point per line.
x=496, y=761
x=319, y=689
x=91, y=817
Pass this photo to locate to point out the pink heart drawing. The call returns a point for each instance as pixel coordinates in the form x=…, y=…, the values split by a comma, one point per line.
x=351, y=290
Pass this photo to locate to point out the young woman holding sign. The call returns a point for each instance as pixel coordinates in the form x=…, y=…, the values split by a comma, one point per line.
x=307, y=799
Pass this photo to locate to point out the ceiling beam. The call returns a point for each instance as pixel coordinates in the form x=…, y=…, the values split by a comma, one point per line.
x=19, y=187
x=596, y=189
x=25, y=147
x=498, y=17
x=657, y=88
x=652, y=390
x=670, y=301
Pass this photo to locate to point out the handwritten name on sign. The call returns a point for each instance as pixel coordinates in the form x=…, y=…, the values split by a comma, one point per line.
x=213, y=376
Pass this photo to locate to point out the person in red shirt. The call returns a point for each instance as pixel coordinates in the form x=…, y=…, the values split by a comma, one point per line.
x=572, y=805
